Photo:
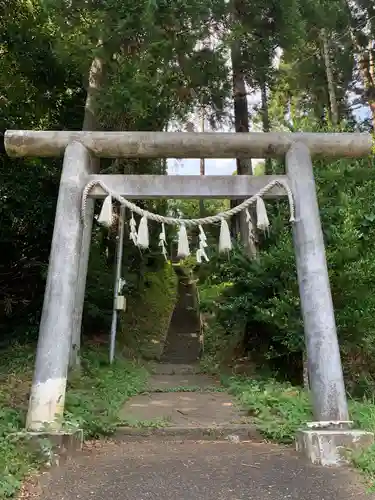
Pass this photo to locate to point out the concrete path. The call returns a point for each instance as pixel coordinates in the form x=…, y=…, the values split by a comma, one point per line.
x=187, y=405
x=158, y=464
x=158, y=470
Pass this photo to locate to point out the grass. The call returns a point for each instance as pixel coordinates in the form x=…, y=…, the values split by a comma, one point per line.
x=278, y=410
x=92, y=403
x=191, y=388
x=94, y=399
x=156, y=423
x=16, y=460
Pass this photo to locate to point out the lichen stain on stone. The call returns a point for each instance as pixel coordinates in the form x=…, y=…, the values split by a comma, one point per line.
x=17, y=145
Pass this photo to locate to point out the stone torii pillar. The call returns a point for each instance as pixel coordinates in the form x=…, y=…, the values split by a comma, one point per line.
x=323, y=439
x=46, y=405
x=324, y=364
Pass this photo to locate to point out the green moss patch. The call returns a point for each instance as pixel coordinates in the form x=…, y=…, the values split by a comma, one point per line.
x=144, y=326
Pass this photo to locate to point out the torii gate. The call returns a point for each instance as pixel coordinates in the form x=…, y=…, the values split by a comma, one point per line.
x=64, y=294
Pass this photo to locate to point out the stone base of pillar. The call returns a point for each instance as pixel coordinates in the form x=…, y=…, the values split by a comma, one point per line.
x=330, y=443
x=53, y=447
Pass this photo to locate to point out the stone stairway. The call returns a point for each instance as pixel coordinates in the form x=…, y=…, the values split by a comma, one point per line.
x=183, y=342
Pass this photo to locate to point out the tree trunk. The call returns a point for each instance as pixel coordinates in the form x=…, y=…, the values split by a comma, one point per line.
x=365, y=66
x=202, y=167
x=165, y=160
x=370, y=88
x=96, y=74
x=241, y=118
x=330, y=80
x=266, y=126
x=367, y=72
x=95, y=78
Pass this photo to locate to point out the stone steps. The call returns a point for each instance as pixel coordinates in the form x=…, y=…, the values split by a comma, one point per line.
x=184, y=405
x=183, y=342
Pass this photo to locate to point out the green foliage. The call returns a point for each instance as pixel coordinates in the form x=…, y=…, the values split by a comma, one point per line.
x=277, y=410
x=17, y=458
x=30, y=98
x=93, y=402
x=153, y=70
x=259, y=300
x=191, y=388
x=144, y=326
x=99, y=289
x=94, y=399
x=210, y=294
x=189, y=209
x=157, y=68
x=156, y=423
x=280, y=409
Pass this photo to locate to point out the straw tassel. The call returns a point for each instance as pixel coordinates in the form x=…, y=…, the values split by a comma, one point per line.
x=106, y=213
x=262, y=219
x=133, y=230
x=183, y=242
x=225, y=242
x=142, y=236
x=250, y=225
x=162, y=241
x=201, y=253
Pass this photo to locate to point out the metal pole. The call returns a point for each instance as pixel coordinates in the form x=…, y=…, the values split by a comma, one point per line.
x=119, y=249
x=324, y=363
x=46, y=405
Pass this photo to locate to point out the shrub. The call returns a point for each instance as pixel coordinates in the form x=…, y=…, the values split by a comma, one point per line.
x=262, y=302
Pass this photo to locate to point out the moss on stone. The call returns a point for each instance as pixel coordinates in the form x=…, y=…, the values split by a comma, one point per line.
x=144, y=326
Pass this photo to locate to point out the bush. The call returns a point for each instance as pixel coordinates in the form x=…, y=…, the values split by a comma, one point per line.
x=262, y=302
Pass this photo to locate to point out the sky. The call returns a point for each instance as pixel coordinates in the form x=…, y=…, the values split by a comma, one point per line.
x=212, y=166
x=226, y=166
x=191, y=167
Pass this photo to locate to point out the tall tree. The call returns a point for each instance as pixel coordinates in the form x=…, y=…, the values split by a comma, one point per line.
x=202, y=162
x=90, y=123
x=361, y=15
x=241, y=120
x=330, y=79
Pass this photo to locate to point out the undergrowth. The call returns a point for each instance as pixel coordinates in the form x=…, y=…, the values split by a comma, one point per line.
x=92, y=403
x=279, y=409
x=94, y=399
x=16, y=460
x=155, y=423
x=190, y=388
